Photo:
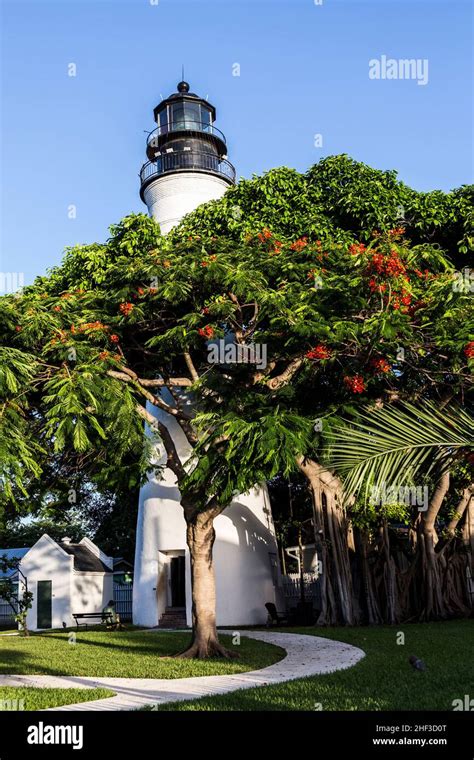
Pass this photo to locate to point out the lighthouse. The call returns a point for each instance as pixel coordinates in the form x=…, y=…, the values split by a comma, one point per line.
x=187, y=158
x=187, y=165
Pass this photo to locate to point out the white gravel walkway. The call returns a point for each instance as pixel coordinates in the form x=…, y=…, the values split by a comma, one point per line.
x=306, y=656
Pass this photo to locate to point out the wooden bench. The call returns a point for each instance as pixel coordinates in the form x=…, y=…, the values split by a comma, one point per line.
x=102, y=617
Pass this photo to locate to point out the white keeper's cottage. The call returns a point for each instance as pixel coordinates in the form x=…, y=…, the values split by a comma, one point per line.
x=187, y=166
x=65, y=578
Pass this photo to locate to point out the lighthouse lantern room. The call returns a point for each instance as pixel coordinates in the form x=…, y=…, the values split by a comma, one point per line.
x=187, y=158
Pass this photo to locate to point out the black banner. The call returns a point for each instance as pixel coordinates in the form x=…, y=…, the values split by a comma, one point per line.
x=119, y=735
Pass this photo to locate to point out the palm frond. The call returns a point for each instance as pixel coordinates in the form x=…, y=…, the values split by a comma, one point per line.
x=396, y=444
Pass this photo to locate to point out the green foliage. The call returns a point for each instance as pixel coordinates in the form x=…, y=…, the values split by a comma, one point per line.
x=237, y=450
x=85, y=266
x=404, y=441
x=18, y=450
x=341, y=199
x=326, y=270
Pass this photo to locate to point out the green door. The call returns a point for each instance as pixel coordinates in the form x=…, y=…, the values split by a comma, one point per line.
x=44, y=600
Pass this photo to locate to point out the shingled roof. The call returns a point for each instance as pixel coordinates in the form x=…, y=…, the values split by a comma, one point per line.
x=84, y=559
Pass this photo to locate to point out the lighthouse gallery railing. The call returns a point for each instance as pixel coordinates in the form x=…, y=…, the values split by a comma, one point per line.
x=187, y=160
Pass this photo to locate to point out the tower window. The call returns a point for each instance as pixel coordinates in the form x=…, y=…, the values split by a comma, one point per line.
x=164, y=121
x=193, y=115
x=205, y=118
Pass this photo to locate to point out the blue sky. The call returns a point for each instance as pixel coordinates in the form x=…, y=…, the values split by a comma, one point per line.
x=303, y=71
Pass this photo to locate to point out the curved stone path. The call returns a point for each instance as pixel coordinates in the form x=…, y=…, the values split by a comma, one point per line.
x=306, y=656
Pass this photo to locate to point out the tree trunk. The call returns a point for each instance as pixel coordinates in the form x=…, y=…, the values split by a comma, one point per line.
x=332, y=540
x=373, y=613
x=200, y=536
x=434, y=603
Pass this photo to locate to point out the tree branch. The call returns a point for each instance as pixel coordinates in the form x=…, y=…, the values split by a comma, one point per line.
x=284, y=377
x=173, y=460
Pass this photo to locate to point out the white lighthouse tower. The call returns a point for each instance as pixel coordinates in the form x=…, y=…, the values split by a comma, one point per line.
x=187, y=162
x=188, y=166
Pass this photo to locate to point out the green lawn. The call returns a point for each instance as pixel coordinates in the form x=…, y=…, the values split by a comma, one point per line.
x=127, y=654
x=29, y=698
x=383, y=680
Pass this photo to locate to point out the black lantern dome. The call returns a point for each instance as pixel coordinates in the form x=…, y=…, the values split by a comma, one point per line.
x=185, y=139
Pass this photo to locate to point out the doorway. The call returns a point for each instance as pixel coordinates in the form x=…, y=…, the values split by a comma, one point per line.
x=44, y=604
x=177, y=581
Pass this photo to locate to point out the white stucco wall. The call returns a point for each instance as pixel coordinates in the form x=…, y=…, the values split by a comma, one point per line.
x=245, y=538
x=46, y=561
x=171, y=196
x=90, y=592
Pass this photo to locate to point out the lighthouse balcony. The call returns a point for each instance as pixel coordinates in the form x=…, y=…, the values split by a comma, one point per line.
x=186, y=161
x=186, y=128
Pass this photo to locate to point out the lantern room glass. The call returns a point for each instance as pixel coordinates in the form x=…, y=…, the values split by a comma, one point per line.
x=185, y=115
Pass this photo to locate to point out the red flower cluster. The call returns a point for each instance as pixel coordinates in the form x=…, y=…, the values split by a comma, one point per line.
x=469, y=350
x=355, y=384
x=103, y=355
x=396, y=231
x=264, y=235
x=56, y=308
x=421, y=274
x=391, y=266
x=318, y=352
x=206, y=332
x=211, y=258
x=356, y=248
x=374, y=286
x=114, y=338
x=299, y=244
x=18, y=328
x=380, y=366
x=126, y=308
x=402, y=301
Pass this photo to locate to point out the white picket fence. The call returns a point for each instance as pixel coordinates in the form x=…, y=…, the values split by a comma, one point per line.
x=291, y=585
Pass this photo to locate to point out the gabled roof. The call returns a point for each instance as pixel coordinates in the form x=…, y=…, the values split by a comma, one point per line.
x=84, y=559
x=10, y=554
x=121, y=562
